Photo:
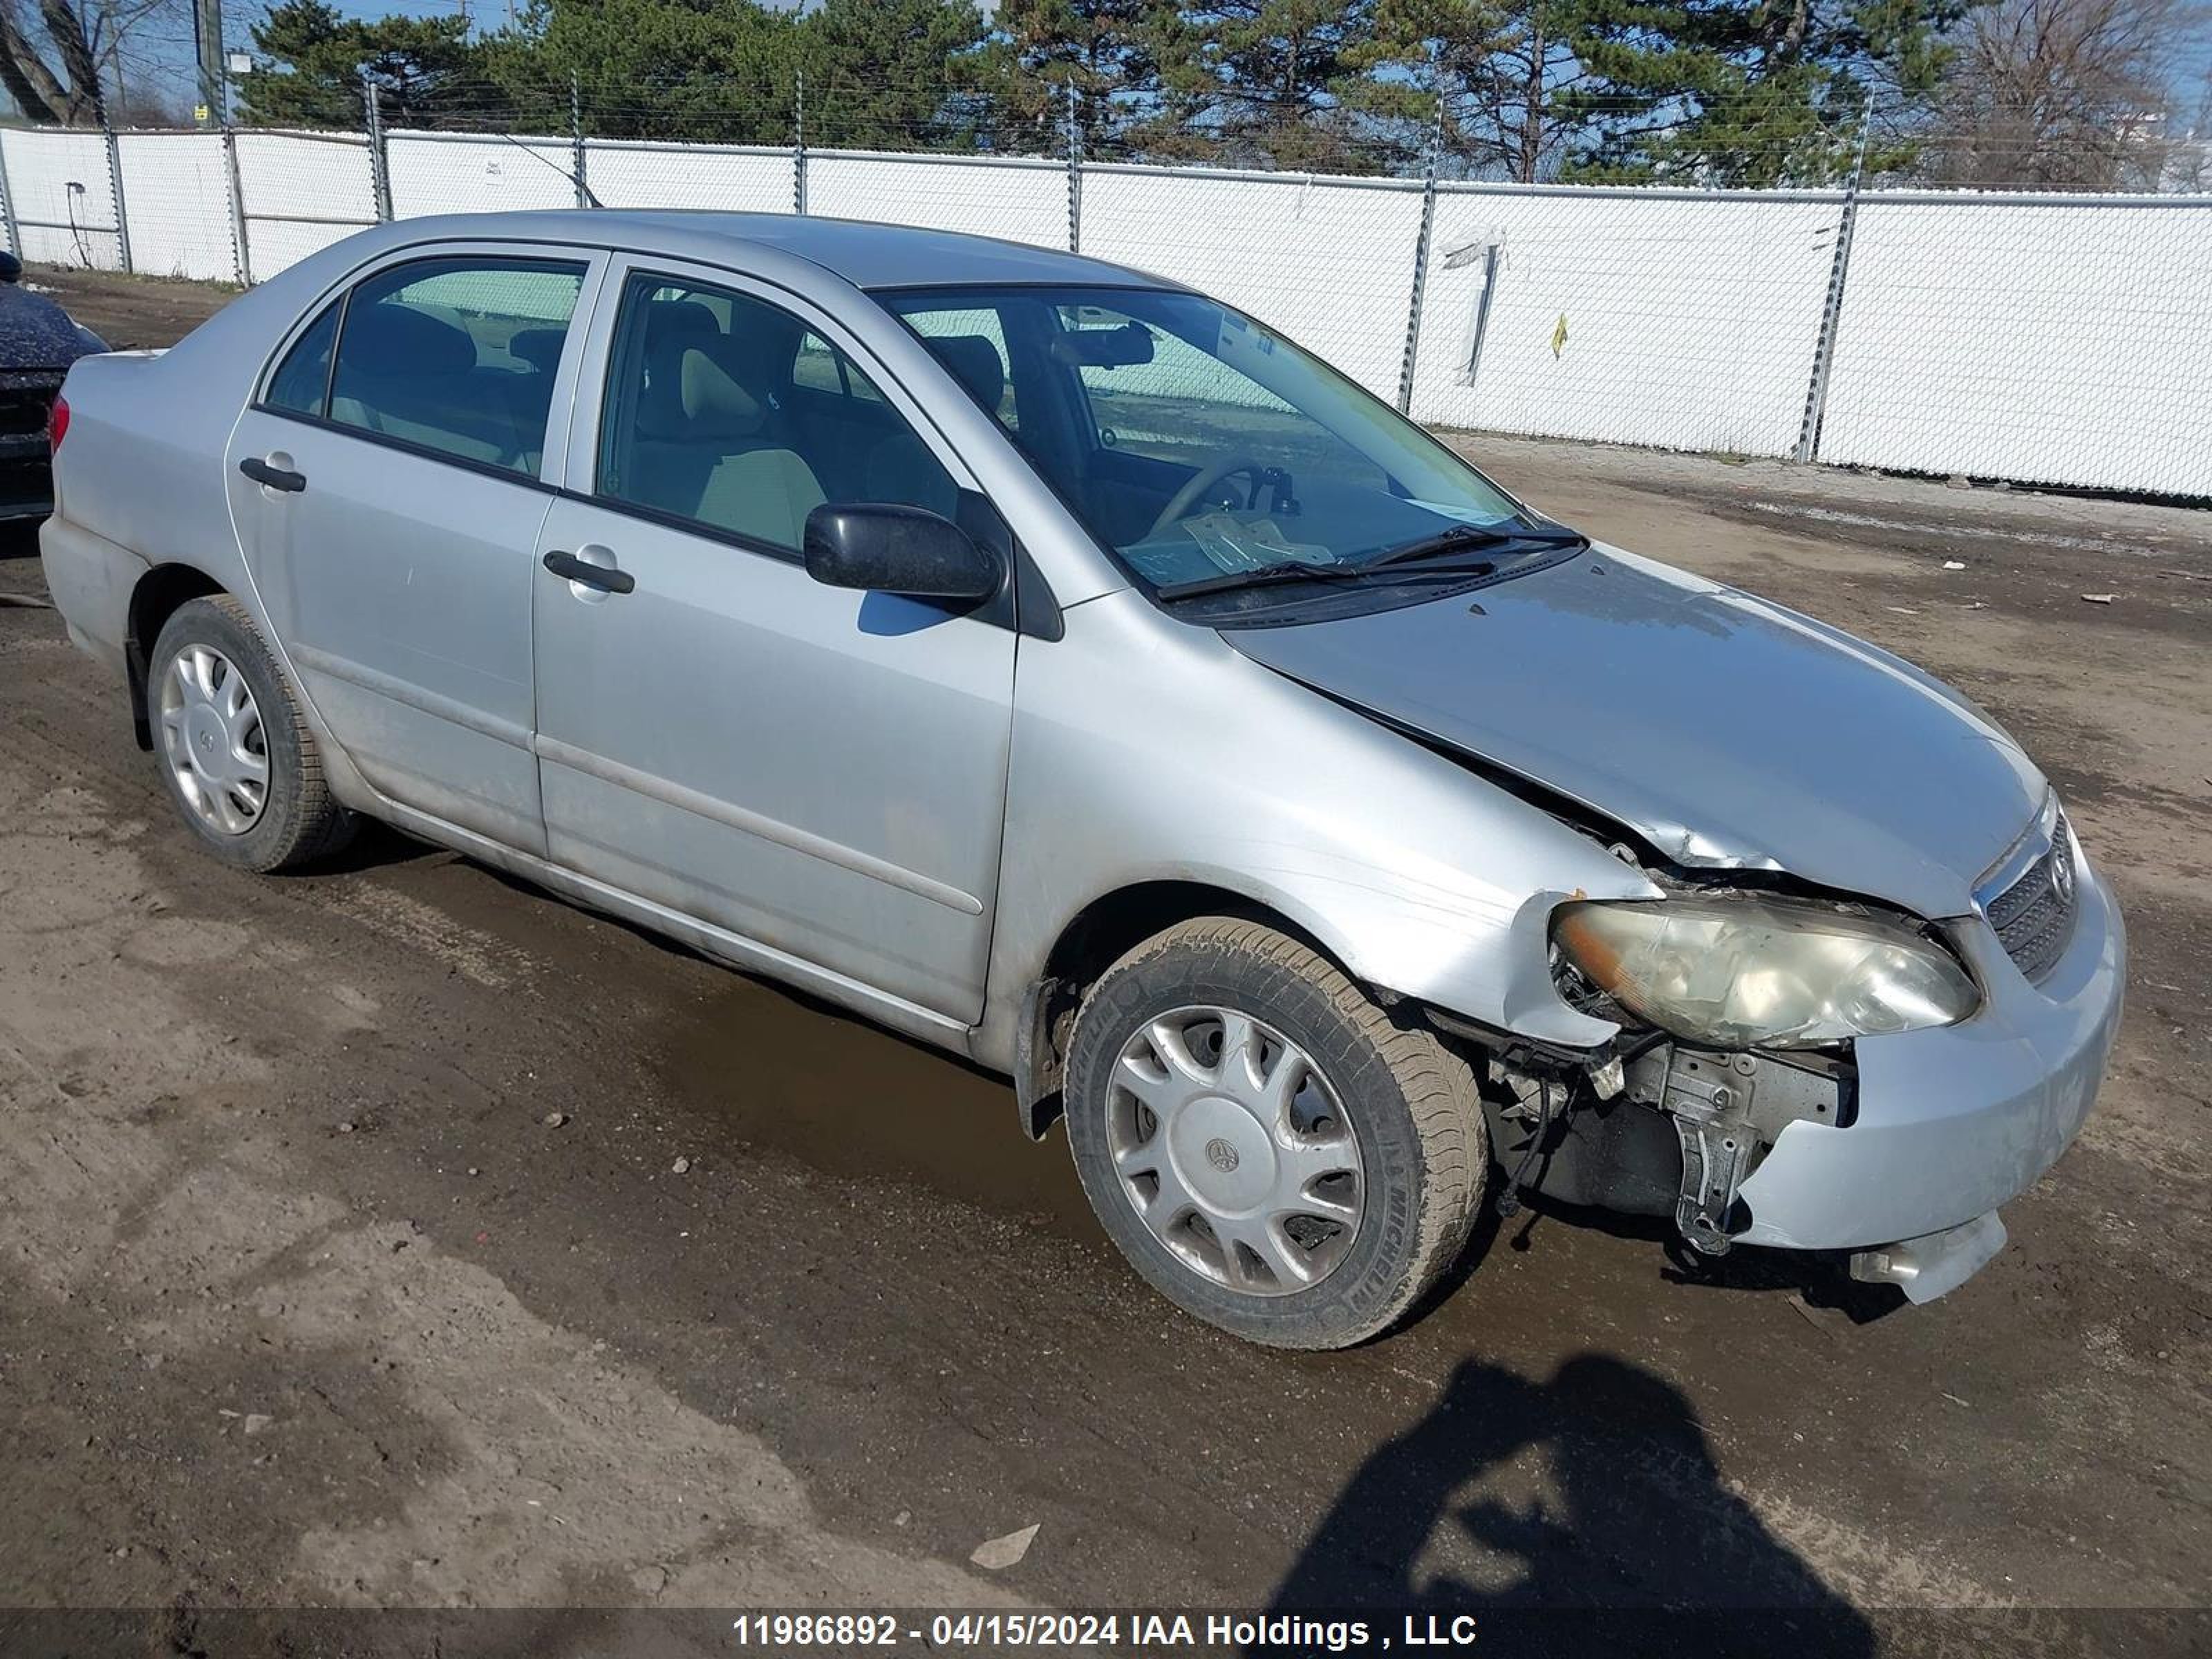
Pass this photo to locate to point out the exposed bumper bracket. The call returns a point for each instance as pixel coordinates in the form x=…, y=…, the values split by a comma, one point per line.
x=1933, y=1264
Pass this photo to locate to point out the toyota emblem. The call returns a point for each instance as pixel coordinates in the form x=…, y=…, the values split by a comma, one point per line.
x=1221, y=1155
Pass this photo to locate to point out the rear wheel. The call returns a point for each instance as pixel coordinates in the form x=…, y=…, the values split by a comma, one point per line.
x=237, y=756
x=1273, y=1153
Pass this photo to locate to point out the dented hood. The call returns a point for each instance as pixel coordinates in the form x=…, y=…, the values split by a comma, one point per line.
x=1730, y=733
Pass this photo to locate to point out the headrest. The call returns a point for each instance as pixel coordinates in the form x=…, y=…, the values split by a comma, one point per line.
x=396, y=342
x=538, y=346
x=975, y=361
x=673, y=325
x=714, y=404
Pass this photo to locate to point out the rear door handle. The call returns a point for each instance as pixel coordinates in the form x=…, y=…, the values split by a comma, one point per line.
x=272, y=478
x=605, y=577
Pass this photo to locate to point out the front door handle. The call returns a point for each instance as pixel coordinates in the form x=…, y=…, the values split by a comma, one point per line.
x=605, y=577
x=273, y=477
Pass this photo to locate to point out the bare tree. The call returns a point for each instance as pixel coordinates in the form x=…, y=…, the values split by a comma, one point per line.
x=37, y=92
x=58, y=58
x=2064, y=94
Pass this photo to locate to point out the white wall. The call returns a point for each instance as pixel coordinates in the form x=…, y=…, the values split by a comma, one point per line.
x=2050, y=345
x=177, y=192
x=452, y=173
x=725, y=179
x=301, y=194
x=42, y=167
x=1021, y=201
x=1683, y=322
x=1330, y=265
x=2048, y=340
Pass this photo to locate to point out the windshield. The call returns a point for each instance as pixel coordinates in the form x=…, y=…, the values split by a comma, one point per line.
x=1198, y=446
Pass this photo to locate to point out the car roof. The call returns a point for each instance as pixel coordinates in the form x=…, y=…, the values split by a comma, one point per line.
x=864, y=253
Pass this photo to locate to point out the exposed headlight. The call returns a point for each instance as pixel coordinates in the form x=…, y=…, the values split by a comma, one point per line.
x=1740, y=973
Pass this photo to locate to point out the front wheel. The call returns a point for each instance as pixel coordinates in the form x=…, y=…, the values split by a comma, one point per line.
x=1273, y=1153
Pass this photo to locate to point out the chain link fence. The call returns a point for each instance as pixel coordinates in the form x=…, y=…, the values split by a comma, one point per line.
x=2054, y=340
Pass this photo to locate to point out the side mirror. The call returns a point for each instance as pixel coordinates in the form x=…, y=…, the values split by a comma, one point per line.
x=907, y=550
x=11, y=268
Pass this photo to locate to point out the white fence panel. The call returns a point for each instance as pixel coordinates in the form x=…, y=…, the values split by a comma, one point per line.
x=1330, y=264
x=1020, y=200
x=2045, y=339
x=727, y=178
x=64, y=198
x=458, y=173
x=1677, y=321
x=2051, y=343
x=301, y=194
x=176, y=192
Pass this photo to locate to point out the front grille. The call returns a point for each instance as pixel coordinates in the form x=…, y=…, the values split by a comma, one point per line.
x=2034, y=917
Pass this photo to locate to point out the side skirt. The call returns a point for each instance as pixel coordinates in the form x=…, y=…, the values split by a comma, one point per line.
x=910, y=1019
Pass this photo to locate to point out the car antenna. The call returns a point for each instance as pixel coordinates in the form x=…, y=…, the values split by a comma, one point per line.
x=582, y=189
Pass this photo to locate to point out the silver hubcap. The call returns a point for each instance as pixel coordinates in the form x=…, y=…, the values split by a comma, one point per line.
x=211, y=735
x=1235, y=1150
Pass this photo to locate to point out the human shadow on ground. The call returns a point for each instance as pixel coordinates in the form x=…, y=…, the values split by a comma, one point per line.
x=1582, y=1513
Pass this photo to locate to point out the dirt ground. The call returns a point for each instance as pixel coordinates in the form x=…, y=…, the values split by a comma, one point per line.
x=344, y=1261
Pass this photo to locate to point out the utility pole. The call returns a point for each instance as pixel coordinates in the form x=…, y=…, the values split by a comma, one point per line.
x=576, y=138
x=1421, y=261
x=207, y=53
x=798, y=150
x=1075, y=173
x=115, y=190
x=1832, y=310
x=380, y=181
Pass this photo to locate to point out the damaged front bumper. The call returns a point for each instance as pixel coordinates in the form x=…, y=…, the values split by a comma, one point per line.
x=1925, y=1268
x=1899, y=1152
x=1952, y=1121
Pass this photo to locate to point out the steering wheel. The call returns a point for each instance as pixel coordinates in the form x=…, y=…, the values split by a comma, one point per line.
x=1228, y=466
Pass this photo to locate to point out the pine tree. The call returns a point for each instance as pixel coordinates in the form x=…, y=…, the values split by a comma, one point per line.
x=1276, y=81
x=1042, y=48
x=424, y=68
x=1742, y=92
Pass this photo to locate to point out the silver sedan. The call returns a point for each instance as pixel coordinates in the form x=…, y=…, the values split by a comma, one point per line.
x=1066, y=669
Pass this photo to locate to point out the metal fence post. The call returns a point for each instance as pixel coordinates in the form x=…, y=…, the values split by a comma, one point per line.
x=1832, y=310
x=1421, y=265
x=576, y=139
x=798, y=150
x=8, y=201
x=241, y=253
x=380, y=179
x=115, y=192
x=1075, y=173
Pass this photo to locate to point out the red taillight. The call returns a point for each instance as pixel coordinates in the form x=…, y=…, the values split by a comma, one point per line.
x=57, y=424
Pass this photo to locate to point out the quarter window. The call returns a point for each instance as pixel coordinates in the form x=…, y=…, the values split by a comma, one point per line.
x=457, y=356
x=726, y=412
x=304, y=377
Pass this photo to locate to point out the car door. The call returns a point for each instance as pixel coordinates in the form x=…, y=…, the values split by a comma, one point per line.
x=388, y=484
x=819, y=771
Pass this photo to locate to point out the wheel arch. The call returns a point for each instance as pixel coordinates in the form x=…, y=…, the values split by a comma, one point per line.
x=1093, y=939
x=157, y=596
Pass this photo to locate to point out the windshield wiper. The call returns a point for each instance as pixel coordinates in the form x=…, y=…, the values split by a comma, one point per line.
x=1472, y=535
x=1267, y=575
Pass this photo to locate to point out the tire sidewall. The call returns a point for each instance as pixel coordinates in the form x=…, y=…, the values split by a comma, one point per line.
x=1370, y=1287
x=279, y=828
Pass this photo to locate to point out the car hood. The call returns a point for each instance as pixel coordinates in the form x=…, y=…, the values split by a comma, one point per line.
x=1729, y=731
x=37, y=333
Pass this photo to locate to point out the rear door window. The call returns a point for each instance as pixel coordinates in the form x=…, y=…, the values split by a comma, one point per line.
x=457, y=357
